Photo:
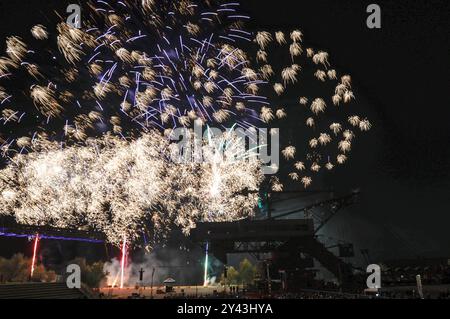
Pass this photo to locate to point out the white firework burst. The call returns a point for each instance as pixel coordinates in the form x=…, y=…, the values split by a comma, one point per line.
x=300, y=166
x=279, y=88
x=289, y=152
x=318, y=106
x=279, y=36
x=336, y=128
x=296, y=36
x=266, y=114
x=324, y=139
x=263, y=38
x=345, y=146
x=39, y=32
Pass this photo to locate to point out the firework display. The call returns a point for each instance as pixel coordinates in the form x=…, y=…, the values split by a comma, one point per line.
x=86, y=116
x=127, y=188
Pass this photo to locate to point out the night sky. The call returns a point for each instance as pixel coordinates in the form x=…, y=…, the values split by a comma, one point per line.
x=401, y=77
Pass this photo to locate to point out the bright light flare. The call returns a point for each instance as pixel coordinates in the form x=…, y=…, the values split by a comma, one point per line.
x=33, y=262
x=205, y=279
x=122, y=263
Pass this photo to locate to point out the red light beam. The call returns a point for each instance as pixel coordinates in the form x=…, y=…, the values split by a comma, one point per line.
x=33, y=262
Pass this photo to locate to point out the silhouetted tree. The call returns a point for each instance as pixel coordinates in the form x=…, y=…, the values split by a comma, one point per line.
x=246, y=272
x=17, y=269
x=91, y=275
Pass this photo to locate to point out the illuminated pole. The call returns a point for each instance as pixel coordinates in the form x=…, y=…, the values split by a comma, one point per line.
x=124, y=253
x=205, y=281
x=33, y=262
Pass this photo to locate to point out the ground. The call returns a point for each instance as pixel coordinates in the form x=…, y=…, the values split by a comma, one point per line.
x=159, y=292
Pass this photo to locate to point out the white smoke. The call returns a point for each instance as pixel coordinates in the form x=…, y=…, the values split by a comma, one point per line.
x=185, y=266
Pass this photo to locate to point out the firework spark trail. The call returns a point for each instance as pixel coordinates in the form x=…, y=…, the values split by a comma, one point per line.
x=205, y=278
x=165, y=79
x=123, y=261
x=157, y=65
x=117, y=187
x=76, y=186
x=197, y=69
x=33, y=262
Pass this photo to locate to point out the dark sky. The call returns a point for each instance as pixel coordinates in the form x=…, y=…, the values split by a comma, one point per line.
x=402, y=76
x=402, y=79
